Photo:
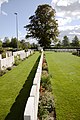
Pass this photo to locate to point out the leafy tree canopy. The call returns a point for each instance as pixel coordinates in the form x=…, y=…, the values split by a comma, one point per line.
x=0, y=43
x=6, y=42
x=75, y=41
x=14, y=42
x=65, y=41
x=43, y=26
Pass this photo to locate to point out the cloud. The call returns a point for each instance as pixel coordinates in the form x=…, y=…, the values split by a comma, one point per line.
x=67, y=9
x=75, y=27
x=74, y=33
x=68, y=15
x=1, y=2
x=64, y=21
x=70, y=31
x=4, y=13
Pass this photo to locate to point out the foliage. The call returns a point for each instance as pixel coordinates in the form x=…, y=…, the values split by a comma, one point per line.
x=44, y=66
x=4, y=54
x=46, y=103
x=65, y=41
x=75, y=41
x=43, y=25
x=45, y=80
x=74, y=53
x=0, y=43
x=2, y=72
x=59, y=43
x=1, y=50
x=24, y=44
x=17, y=60
x=46, y=106
x=34, y=46
x=6, y=42
x=14, y=42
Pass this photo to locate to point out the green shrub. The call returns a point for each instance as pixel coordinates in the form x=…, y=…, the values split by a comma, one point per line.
x=44, y=66
x=9, y=68
x=1, y=50
x=45, y=73
x=2, y=72
x=17, y=60
x=74, y=53
x=45, y=81
x=4, y=55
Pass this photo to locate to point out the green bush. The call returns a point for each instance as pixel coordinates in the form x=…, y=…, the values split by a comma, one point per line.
x=1, y=50
x=74, y=53
x=9, y=68
x=2, y=72
x=45, y=81
x=17, y=60
x=4, y=55
x=44, y=66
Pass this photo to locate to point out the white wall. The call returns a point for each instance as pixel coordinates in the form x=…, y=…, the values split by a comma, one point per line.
x=31, y=108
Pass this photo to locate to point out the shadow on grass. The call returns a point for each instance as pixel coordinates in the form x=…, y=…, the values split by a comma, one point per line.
x=17, y=109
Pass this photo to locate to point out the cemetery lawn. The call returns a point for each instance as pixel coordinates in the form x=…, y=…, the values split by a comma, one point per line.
x=65, y=71
x=12, y=82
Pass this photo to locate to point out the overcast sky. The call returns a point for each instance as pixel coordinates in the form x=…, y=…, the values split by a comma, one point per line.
x=67, y=14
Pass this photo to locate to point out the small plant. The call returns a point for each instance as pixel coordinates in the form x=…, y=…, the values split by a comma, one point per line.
x=46, y=106
x=9, y=68
x=4, y=55
x=74, y=53
x=17, y=60
x=2, y=72
x=44, y=66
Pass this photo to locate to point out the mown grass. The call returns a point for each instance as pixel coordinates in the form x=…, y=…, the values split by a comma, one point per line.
x=15, y=87
x=65, y=71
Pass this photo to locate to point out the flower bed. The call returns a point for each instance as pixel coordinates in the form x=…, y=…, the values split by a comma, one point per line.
x=46, y=108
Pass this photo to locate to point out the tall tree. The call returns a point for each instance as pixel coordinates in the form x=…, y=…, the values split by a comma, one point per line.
x=59, y=43
x=65, y=41
x=24, y=44
x=6, y=42
x=43, y=25
x=14, y=42
x=75, y=41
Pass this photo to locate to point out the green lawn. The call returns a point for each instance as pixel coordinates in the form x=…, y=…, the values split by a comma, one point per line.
x=65, y=70
x=11, y=88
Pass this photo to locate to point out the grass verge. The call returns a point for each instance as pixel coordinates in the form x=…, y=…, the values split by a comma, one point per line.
x=65, y=70
x=15, y=87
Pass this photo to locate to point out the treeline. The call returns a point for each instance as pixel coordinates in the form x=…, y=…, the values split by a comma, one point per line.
x=16, y=44
x=67, y=43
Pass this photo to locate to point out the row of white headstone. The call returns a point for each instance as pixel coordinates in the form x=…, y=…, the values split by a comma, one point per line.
x=9, y=60
x=31, y=108
x=62, y=50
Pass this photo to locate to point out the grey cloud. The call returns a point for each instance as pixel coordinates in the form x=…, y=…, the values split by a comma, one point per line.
x=72, y=7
